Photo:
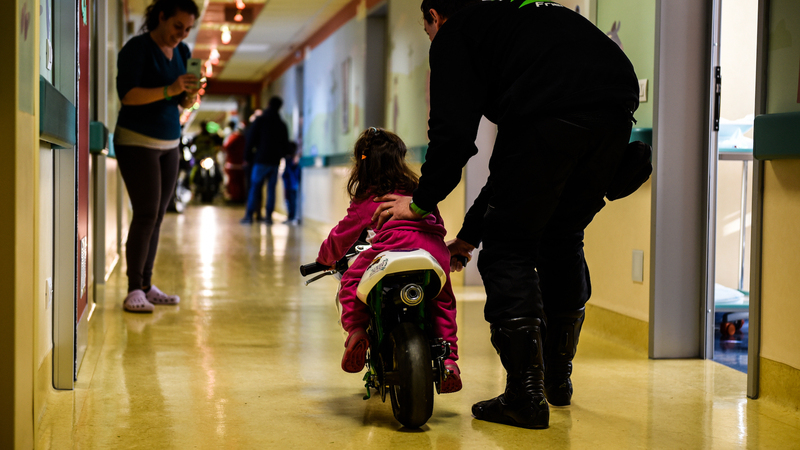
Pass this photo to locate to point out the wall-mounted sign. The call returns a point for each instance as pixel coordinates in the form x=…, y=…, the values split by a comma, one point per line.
x=84, y=264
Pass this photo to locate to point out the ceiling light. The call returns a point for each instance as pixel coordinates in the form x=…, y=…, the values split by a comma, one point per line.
x=238, y=17
x=239, y=5
x=209, y=69
x=214, y=56
x=252, y=48
x=226, y=35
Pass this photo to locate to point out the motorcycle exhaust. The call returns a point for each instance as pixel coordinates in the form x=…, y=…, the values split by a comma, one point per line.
x=412, y=294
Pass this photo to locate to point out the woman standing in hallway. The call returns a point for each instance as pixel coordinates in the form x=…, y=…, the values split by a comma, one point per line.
x=152, y=85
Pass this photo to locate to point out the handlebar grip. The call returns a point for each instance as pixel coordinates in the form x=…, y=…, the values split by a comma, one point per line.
x=308, y=269
x=462, y=259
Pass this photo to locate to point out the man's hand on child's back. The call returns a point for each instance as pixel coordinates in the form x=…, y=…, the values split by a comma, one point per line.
x=393, y=207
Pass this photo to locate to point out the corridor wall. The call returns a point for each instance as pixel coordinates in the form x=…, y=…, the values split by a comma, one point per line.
x=333, y=83
x=108, y=230
x=18, y=249
x=408, y=99
x=333, y=77
x=780, y=357
x=620, y=307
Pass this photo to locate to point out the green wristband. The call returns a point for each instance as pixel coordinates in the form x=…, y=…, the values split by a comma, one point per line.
x=417, y=210
x=166, y=95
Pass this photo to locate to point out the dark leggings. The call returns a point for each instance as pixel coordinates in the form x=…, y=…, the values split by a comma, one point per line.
x=150, y=176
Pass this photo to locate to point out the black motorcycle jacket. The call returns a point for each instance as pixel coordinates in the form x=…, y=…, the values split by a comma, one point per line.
x=270, y=138
x=513, y=64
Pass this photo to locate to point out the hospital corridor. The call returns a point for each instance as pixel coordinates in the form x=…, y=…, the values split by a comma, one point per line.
x=249, y=359
x=399, y=224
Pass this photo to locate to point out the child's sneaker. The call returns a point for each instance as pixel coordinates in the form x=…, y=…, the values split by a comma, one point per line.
x=452, y=383
x=355, y=352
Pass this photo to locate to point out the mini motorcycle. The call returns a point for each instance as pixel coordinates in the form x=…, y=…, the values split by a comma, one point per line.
x=404, y=360
x=206, y=178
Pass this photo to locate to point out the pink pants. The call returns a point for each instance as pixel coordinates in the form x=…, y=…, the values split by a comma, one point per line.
x=355, y=314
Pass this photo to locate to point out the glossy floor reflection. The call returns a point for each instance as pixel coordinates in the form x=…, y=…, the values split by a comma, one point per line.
x=250, y=360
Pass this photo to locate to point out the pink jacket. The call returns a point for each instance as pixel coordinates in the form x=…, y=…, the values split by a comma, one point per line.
x=359, y=217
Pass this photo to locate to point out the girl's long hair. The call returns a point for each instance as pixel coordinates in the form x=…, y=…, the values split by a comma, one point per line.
x=169, y=8
x=380, y=166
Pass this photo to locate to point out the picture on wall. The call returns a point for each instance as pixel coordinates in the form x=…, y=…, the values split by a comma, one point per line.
x=346, y=96
x=27, y=57
x=587, y=8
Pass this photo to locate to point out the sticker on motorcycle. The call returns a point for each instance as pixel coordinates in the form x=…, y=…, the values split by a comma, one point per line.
x=378, y=266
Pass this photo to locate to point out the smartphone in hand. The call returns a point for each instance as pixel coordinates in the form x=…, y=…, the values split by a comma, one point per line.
x=194, y=67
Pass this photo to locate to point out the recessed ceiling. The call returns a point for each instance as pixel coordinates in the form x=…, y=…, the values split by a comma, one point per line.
x=255, y=50
x=279, y=26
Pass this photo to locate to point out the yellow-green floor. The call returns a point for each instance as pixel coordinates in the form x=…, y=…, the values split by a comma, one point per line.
x=250, y=360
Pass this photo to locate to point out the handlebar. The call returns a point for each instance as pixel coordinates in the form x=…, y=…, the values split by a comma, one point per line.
x=315, y=267
x=462, y=259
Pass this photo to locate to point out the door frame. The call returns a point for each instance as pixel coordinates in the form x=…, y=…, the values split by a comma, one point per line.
x=680, y=291
x=715, y=90
x=757, y=214
x=70, y=215
x=679, y=210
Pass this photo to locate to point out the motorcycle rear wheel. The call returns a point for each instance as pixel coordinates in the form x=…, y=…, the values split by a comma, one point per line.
x=412, y=396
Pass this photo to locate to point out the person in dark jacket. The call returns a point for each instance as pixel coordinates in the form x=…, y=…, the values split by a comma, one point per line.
x=270, y=137
x=563, y=96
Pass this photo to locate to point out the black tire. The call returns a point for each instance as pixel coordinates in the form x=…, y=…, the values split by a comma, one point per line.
x=412, y=396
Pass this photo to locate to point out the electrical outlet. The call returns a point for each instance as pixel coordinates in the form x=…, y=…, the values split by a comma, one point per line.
x=642, y=91
x=637, y=273
x=48, y=292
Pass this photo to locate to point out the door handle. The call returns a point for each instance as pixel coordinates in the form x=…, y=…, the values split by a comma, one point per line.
x=717, y=95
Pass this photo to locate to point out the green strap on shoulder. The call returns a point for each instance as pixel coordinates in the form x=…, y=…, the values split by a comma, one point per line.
x=528, y=2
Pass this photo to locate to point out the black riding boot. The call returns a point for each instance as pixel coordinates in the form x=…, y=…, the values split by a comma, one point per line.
x=560, y=345
x=519, y=344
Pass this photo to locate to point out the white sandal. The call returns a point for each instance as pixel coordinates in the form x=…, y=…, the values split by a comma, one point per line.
x=136, y=301
x=156, y=297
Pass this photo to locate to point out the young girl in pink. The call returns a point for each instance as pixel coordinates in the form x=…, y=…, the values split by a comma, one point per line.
x=380, y=168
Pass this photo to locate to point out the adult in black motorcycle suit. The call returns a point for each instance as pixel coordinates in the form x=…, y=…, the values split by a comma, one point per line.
x=563, y=96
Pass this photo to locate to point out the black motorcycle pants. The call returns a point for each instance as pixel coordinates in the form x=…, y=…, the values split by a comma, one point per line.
x=548, y=179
